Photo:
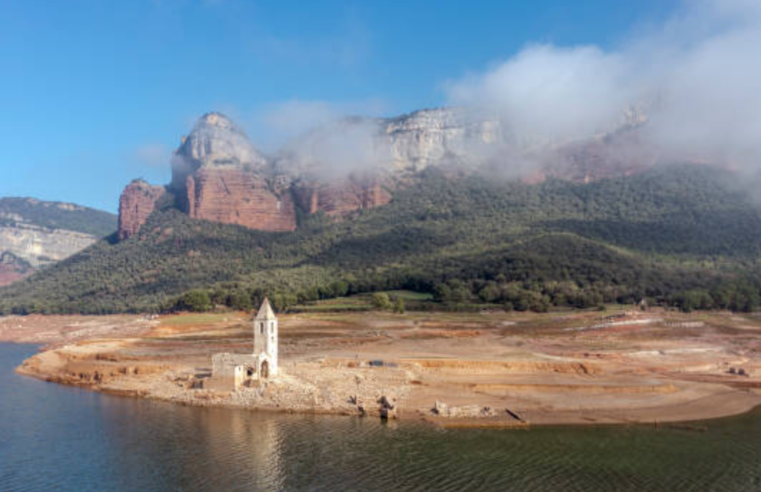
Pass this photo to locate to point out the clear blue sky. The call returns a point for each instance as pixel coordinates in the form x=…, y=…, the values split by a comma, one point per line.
x=96, y=93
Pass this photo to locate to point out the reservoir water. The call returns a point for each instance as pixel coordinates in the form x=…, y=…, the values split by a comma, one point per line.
x=59, y=438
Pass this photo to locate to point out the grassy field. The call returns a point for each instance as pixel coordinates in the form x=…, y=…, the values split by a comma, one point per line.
x=408, y=295
x=363, y=302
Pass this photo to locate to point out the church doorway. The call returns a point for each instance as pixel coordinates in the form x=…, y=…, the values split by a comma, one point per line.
x=265, y=370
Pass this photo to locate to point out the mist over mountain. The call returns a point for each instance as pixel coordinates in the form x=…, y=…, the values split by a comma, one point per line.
x=689, y=83
x=674, y=235
x=628, y=155
x=579, y=113
x=358, y=163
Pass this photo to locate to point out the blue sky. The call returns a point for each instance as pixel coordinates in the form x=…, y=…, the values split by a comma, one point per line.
x=96, y=93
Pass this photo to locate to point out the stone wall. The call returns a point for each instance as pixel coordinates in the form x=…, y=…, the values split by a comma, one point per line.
x=224, y=364
x=223, y=377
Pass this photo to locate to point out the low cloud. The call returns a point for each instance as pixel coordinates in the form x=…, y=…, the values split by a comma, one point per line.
x=696, y=78
x=289, y=119
x=152, y=155
x=551, y=91
x=324, y=138
x=337, y=149
x=690, y=86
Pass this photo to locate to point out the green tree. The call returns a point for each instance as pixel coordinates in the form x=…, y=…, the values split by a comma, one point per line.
x=380, y=300
x=399, y=305
x=490, y=293
x=194, y=300
x=240, y=300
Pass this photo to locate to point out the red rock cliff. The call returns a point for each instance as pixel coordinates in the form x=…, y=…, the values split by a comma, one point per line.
x=234, y=196
x=218, y=175
x=135, y=205
x=342, y=197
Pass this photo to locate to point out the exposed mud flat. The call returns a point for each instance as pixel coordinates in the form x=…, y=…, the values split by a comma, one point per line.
x=483, y=369
x=63, y=329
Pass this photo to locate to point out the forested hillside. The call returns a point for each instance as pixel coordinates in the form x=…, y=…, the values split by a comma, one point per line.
x=678, y=235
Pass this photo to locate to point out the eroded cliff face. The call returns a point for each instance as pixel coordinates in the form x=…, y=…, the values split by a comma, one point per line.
x=235, y=196
x=218, y=175
x=440, y=137
x=137, y=202
x=25, y=248
x=342, y=197
x=214, y=143
x=469, y=140
x=36, y=233
x=356, y=163
x=40, y=246
x=609, y=156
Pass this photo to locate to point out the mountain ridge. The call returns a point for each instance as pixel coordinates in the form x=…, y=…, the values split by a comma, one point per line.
x=36, y=233
x=503, y=242
x=357, y=163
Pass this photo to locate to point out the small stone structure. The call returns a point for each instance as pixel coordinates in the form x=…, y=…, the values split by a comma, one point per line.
x=234, y=371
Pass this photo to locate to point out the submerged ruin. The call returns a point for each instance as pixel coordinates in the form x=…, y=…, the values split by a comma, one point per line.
x=233, y=371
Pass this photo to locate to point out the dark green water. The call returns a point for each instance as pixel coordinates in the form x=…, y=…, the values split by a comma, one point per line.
x=58, y=438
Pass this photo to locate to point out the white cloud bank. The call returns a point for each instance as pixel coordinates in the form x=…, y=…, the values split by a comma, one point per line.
x=318, y=137
x=699, y=75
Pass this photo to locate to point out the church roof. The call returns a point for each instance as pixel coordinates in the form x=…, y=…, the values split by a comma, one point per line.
x=265, y=311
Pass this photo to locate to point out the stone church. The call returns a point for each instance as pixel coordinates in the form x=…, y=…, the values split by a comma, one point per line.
x=235, y=371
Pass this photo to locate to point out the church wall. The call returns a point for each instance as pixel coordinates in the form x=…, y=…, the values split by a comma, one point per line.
x=223, y=377
x=224, y=364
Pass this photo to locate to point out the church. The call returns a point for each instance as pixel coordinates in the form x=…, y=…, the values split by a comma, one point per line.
x=236, y=371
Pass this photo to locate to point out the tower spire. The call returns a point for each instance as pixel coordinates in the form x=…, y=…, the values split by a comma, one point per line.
x=265, y=311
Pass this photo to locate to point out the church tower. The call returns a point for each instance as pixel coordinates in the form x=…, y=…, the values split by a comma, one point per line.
x=265, y=340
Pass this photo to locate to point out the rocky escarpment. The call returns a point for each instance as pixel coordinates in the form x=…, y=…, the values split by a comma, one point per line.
x=356, y=163
x=441, y=137
x=469, y=140
x=41, y=246
x=234, y=196
x=218, y=175
x=137, y=202
x=35, y=233
x=618, y=154
x=342, y=197
x=215, y=143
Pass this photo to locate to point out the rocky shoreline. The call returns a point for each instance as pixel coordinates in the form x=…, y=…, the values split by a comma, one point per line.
x=439, y=368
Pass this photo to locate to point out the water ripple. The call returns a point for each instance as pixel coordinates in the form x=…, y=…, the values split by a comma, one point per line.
x=57, y=438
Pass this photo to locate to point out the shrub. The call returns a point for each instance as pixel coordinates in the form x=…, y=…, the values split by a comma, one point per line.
x=194, y=300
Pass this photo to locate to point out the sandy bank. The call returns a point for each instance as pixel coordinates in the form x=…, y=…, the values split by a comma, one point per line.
x=454, y=370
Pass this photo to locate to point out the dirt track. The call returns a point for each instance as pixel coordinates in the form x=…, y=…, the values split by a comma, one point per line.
x=482, y=369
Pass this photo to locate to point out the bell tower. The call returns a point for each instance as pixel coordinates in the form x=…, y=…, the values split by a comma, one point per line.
x=265, y=337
